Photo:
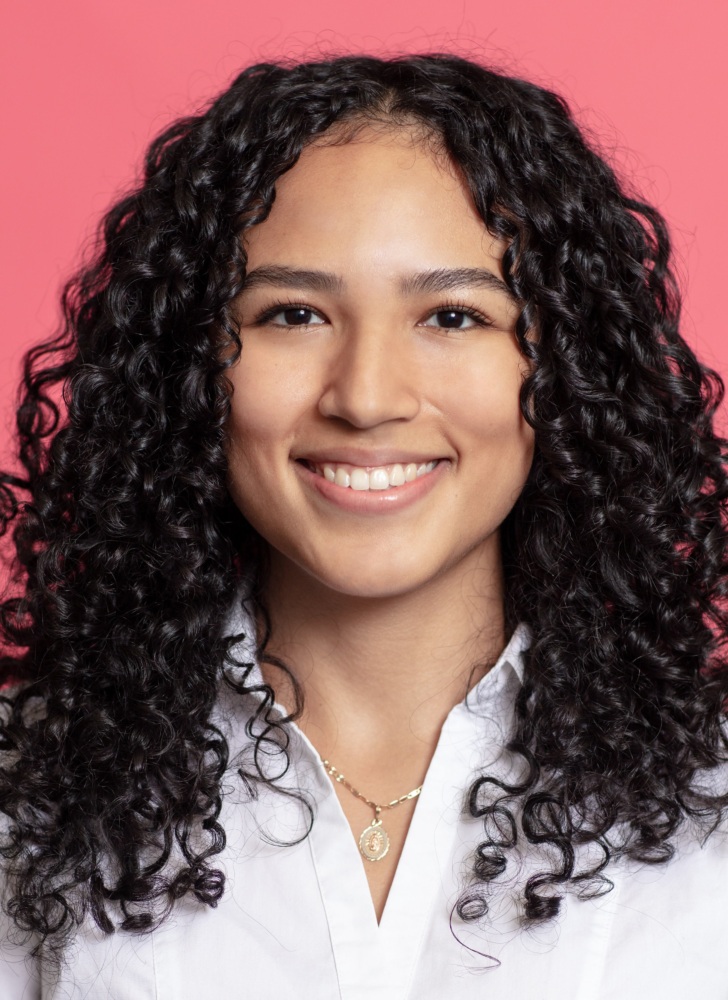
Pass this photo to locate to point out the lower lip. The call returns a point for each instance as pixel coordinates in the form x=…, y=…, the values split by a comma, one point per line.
x=372, y=501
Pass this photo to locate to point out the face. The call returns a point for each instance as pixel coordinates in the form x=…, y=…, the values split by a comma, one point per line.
x=378, y=339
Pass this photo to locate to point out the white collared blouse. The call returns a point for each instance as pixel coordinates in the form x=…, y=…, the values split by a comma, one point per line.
x=297, y=920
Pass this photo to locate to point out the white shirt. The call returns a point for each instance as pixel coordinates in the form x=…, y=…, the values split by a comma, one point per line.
x=298, y=921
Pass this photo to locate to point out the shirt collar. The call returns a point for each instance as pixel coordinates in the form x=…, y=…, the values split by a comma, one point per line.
x=512, y=657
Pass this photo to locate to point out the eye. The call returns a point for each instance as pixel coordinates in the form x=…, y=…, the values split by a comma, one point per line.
x=290, y=314
x=456, y=318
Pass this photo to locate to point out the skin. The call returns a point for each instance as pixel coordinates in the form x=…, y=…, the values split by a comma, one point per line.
x=385, y=620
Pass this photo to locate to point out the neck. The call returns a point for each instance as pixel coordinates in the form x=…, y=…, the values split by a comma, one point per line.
x=380, y=675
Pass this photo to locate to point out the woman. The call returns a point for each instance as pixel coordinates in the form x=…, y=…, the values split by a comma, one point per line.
x=371, y=629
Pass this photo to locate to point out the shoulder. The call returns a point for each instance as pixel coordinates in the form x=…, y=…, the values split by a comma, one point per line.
x=685, y=898
x=19, y=969
x=664, y=925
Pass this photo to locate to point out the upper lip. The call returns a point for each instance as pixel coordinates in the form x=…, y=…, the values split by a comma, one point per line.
x=365, y=458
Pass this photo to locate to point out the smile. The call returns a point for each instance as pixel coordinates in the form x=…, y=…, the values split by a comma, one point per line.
x=382, y=477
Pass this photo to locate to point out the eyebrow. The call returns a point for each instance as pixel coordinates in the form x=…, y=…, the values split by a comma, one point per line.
x=293, y=277
x=438, y=280
x=444, y=279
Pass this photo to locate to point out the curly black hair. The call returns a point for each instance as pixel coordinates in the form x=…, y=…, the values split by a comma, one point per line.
x=128, y=549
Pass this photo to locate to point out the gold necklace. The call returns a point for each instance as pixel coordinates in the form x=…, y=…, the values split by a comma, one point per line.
x=374, y=840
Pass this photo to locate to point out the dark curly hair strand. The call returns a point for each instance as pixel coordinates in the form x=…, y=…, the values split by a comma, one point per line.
x=129, y=550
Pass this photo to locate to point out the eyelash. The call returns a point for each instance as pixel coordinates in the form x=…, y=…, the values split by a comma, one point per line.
x=267, y=315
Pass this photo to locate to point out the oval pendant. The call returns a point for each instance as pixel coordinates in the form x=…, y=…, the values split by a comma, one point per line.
x=374, y=842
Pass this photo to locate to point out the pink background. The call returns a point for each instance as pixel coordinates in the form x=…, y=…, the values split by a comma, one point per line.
x=87, y=83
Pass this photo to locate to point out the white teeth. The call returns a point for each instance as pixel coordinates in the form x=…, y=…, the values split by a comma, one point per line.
x=375, y=479
x=379, y=479
x=359, y=479
x=396, y=476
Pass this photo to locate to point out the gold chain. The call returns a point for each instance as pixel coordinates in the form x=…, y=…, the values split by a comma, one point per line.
x=338, y=776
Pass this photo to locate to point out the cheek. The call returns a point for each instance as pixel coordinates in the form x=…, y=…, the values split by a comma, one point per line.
x=256, y=420
x=497, y=443
x=267, y=402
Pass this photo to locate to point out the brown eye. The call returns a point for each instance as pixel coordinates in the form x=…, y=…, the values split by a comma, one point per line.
x=290, y=314
x=296, y=316
x=451, y=318
x=454, y=319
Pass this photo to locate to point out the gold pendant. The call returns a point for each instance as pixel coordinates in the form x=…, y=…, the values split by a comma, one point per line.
x=374, y=841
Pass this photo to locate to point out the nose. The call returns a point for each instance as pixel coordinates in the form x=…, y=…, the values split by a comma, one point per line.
x=373, y=378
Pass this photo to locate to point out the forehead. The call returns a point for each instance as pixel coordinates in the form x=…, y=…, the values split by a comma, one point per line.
x=383, y=194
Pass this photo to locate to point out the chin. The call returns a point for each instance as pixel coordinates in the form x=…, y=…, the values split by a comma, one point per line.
x=371, y=583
